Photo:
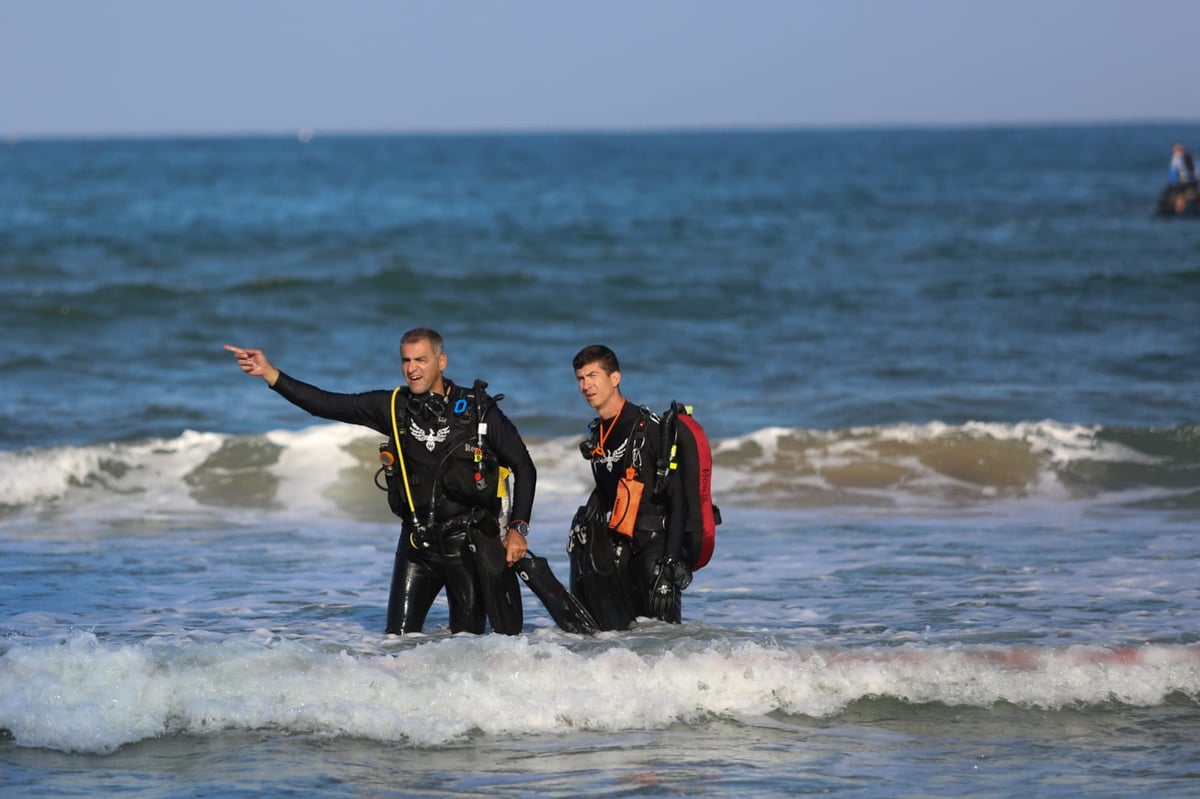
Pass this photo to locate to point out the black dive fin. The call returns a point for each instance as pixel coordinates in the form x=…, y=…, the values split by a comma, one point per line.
x=502, y=601
x=501, y=592
x=564, y=607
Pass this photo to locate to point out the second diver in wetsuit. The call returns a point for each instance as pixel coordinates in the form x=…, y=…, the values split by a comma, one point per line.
x=622, y=571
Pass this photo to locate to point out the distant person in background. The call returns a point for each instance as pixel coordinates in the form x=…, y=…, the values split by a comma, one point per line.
x=1180, y=196
x=1183, y=168
x=445, y=445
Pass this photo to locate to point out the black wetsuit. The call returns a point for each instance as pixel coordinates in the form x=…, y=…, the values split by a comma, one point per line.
x=436, y=543
x=618, y=595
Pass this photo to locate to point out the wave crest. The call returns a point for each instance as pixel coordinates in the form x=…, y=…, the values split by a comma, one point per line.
x=85, y=696
x=325, y=471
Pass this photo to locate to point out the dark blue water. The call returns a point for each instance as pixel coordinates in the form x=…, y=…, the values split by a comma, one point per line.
x=824, y=279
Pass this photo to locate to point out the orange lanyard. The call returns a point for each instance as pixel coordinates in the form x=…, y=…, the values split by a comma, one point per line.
x=599, y=450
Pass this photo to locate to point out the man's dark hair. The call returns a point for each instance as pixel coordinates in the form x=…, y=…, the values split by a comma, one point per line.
x=594, y=353
x=424, y=334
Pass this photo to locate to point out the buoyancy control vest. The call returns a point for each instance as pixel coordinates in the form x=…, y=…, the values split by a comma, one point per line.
x=686, y=452
x=684, y=456
x=449, y=470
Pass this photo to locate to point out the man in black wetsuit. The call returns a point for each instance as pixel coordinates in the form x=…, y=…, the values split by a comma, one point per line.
x=442, y=482
x=620, y=575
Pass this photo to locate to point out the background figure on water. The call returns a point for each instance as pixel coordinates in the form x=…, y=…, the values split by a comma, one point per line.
x=1180, y=195
x=1182, y=171
x=446, y=444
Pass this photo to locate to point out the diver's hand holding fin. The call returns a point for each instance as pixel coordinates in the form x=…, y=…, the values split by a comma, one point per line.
x=674, y=571
x=671, y=576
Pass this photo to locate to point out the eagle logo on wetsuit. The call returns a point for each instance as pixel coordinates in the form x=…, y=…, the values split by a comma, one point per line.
x=612, y=458
x=432, y=438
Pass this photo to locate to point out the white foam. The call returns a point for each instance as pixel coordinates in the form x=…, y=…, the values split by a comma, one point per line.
x=29, y=476
x=309, y=463
x=563, y=474
x=82, y=695
x=151, y=470
x=152, y=482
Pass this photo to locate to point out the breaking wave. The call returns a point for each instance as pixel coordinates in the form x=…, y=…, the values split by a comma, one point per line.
x=83, y=695
x=326, y=471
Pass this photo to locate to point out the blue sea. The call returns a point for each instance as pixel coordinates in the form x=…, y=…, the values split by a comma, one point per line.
x=951, y=378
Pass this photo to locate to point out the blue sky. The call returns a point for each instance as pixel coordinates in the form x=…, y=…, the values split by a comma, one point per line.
x=148, y=67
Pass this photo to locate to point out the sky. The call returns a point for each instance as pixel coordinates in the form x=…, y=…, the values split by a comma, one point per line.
x=185, y=67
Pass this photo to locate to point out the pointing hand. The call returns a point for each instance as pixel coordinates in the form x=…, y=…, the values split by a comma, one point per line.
x=253, y=362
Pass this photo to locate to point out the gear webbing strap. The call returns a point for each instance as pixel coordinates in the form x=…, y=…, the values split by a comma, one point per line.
x=400, y=457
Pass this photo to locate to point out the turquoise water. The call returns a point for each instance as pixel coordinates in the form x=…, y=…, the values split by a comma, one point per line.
x=950, y=376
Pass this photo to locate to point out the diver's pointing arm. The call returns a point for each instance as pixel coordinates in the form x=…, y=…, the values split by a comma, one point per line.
x=253, y=362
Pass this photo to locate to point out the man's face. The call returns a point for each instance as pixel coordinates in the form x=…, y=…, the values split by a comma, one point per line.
x=422, y=369
x=597, y=386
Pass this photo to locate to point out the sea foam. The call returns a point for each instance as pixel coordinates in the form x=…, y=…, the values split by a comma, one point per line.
x=84, y=695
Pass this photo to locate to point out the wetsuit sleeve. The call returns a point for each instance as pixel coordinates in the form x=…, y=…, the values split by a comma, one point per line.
x=370, y=409
x=512, y=453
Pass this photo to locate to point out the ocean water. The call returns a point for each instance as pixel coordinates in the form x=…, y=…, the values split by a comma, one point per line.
x=950, y=376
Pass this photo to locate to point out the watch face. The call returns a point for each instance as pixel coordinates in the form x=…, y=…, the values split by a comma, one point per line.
x=521, y=527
